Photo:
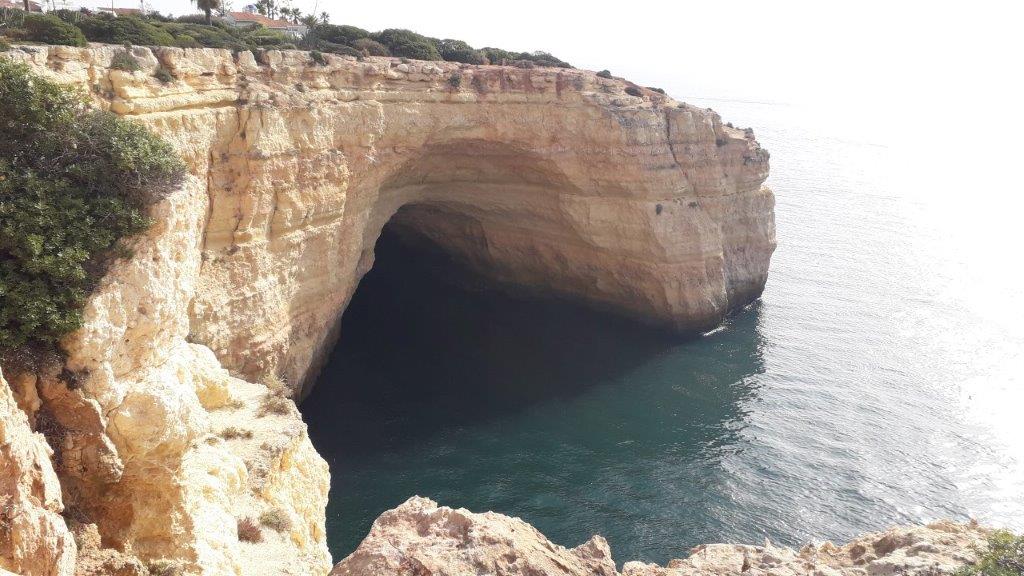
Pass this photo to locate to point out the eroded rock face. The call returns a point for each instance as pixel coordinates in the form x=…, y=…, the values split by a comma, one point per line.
x=550, y=180
x=420, y=538
x=34, y=539
x=142, y=454
x=554, y=181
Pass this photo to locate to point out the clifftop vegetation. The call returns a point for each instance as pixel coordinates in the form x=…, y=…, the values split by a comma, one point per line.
x=75, y=28
x=73, y=183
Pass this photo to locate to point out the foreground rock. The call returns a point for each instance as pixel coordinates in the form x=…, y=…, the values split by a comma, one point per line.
x=160, y=452
x=419, y=538
x=34, y=539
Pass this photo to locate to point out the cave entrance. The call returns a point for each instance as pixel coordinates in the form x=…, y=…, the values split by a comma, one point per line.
x=437, y=373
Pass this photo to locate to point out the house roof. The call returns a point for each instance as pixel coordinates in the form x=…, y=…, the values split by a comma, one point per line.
x=121, y=11
x=261, y=19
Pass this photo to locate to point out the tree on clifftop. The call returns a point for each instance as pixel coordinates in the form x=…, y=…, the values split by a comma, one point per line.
x=207, y=6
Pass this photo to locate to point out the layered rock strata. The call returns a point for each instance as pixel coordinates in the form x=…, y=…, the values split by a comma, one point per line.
x=551, y=180
x=423, y=539
x=554, y=181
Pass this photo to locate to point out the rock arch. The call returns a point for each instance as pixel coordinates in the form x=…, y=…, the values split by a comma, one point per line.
x=549, y=179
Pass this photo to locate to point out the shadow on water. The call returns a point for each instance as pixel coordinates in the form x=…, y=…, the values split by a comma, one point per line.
x=577, y=421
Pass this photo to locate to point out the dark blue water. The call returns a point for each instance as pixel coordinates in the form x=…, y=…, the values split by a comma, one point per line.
x=878, y=381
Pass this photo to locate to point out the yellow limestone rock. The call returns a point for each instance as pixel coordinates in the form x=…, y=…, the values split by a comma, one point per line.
x=549, y=180
x=420, y=537
x=34, y=540
x=939, y=548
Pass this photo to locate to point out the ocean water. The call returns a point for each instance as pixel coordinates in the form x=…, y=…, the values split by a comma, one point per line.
x=876, y=382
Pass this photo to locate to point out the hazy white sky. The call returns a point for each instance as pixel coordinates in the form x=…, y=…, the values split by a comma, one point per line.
x=914, y=70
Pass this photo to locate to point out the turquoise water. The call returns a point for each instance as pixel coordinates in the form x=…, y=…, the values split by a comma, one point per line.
x=876, y=382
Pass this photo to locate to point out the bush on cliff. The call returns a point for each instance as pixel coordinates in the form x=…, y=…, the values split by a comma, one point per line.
x=124, y=30
x=407, y=44
x=1004, y=557
x=459, y=51
x=49, y=29
x=74, y=28
x=73, y=182
x=371, y=47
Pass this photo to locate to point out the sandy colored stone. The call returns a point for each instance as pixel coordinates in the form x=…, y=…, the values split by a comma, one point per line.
x=95, y=560
x=932, y=550
x=544, y=180
x=420, y=538
x=134, y=433
x=547, y=180
x=34, y=539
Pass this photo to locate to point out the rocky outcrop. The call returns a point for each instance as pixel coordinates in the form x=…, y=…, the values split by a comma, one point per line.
x=938, y=548
x=34, y=539
x=550, y=180
x=553, y=181
x=420, y=538
x=137, y=417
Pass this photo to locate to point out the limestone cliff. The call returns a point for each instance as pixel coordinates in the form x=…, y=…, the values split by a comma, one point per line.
x=423, y=539
x=547, y=179
x=555, y=181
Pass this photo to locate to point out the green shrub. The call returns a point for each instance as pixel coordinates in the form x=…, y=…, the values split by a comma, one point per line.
x=339, y=49
x=73, y=182
x=634, y=91
x=1004, y=557
x=455, y=80
x=186, y=41
x=497, y=56
x=658, y=90
x=200, y=35
x=49, y=29
x=124, y=30
x=125, y=61
x=163, y=75
x=544, y=59
x=318, y=57
x=408, y=44
x=335, y=34
x=371, y=47
x=69, y=16
x=458, y=51
x=4, y=45
x=604, y=74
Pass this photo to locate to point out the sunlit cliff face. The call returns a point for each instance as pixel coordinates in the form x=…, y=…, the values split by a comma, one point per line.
x=552, y=181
